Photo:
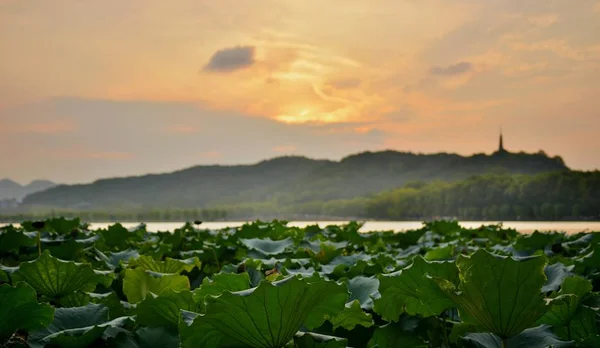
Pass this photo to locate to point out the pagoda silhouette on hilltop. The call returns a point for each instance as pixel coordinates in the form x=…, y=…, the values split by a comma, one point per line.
x=501, y=150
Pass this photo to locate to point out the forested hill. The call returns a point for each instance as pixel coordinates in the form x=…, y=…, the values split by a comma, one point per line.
x=548, y=196
x=287, y=180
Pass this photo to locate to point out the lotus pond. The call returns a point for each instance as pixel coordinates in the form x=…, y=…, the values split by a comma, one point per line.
x=266, y=284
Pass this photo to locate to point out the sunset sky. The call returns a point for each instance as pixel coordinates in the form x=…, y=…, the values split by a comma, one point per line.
x=91, y=89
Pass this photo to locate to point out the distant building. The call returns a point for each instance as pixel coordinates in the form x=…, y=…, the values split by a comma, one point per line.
x=501, y=149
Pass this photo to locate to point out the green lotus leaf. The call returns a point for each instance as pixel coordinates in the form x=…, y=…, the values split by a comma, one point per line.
x=220, y=282
x=266, y=316
x=138, y=283
x=268, y=246
x=412, y=291
x=275, y=230
x=499, y=294
x=364, y=289
x=13, y=239
x=556, y=274
x=58, y=225
x=443, y=227
x=116, y=237
x=168, y=266
x=395, y=335
x=341, y=264
x=583, y=327
x=566, y=301
x=154, y=250
x=537, y=337
x=62, y=225
x=78, y=327
x=20, y=310
x=570, y=319
x=146, y=337
x=346, y=232
x=164, y=310
x=314, y=340
x=110, y=300
x=55, y=278
x=318, y=245
x=537, y=240
x=460, y=330
x=326, y=254
x=68, y=249
x=593, y=341
x=441, y=253
x=589, y=263
x=114, y=259
x=9, y=274
x=323, y=251
x=351, y=316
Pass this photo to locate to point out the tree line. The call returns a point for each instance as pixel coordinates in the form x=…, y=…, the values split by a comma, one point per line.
x=567, y=195
x=122, y=215
x=550, y=196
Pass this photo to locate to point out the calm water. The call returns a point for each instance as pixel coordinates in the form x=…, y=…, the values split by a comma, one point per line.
x=398, y=226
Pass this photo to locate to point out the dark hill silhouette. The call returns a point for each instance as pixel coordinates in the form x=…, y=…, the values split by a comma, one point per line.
x=13, y=190
x=287, y=180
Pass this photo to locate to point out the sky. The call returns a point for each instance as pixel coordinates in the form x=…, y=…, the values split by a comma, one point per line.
x=92, y=89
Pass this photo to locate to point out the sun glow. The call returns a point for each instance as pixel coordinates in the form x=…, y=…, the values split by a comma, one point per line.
x=308, y=116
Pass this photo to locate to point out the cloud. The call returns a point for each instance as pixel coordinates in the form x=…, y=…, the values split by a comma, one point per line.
x=399, y=116
x=345, y=84
x=453, y=69
x=325, y=96
x=231, y=59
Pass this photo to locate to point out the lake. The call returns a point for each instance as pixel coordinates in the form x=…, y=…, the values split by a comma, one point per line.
x=398, y=226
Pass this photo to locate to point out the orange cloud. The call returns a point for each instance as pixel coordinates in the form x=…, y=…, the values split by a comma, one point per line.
x=345, y=83
x=290, y=81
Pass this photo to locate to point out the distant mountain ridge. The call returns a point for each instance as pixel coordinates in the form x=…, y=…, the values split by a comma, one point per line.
x=10, y=189
x=287, y=180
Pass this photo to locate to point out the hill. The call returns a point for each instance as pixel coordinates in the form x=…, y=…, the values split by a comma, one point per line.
x=569, y=195
x=286, y=180
x=10, y=189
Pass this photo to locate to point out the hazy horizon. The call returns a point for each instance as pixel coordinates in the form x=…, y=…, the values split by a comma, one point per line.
x=167, y=86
